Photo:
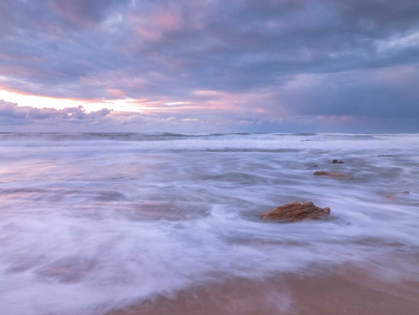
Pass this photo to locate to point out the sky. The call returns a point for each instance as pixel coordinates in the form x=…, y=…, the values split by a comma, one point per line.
x=209, y=65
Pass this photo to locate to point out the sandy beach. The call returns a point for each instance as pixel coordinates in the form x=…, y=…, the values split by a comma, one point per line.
x=339, y=292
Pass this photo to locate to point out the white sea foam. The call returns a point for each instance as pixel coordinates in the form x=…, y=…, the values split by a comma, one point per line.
x=91, y=222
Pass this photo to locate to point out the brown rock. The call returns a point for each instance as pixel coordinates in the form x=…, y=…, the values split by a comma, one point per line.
x=337, y=162
x=296, y=211
x=321, y=173
x=338, y=175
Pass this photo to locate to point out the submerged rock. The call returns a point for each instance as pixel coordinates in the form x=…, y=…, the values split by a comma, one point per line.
x=68, y=269
x=333, y=174
x=337, y=162
x=321, y=173
x=393, y=196
x=296, y=211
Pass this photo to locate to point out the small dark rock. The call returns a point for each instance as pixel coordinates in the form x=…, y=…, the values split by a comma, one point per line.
x=337, y=162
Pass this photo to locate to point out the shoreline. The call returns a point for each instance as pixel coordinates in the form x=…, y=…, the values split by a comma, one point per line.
x=346, y=290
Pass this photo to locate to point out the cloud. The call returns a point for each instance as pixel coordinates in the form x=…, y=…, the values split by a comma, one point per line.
x=245, y=59
x=84, y=12
x=389, y=93
x=246, y=122
x=27, y=118
x=11, y=114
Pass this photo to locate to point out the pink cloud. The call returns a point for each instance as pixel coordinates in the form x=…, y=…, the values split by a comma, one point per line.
x=154, y=26
x=116, y=93
x=168, y=21
x=148, y=34
x=68, y=11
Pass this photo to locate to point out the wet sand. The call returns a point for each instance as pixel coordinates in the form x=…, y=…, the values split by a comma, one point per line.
x=349, y=292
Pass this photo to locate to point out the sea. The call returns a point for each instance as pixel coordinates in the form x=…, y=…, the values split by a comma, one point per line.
x=91, y=222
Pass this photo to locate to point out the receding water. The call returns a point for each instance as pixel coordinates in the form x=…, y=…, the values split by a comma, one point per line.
x=90, y=222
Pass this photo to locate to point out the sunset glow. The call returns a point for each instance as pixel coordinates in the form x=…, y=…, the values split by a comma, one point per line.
x=218, y=63
x=209, y=157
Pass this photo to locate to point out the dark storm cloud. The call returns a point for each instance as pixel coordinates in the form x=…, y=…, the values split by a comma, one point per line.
x=309, y=57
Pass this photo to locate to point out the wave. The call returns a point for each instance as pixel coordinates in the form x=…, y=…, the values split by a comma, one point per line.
x=167, y=136
x=138, y=217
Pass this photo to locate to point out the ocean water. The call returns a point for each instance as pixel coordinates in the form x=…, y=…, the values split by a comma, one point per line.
x=93, y=222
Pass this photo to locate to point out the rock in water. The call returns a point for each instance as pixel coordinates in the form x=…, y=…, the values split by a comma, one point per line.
x=296, y=211
x=321, y=173
x=338, y=175
x=393, y=196
x=337, y=162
